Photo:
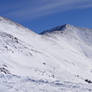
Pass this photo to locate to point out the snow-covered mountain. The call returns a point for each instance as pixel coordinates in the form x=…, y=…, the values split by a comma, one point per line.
x=57, y=60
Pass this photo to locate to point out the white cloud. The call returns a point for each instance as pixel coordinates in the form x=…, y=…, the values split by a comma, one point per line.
x=38, y=8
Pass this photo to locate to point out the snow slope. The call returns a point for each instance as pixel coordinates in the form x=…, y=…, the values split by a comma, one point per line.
x=57, y=60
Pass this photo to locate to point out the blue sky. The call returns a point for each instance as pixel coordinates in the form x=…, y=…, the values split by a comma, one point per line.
x=40, y=15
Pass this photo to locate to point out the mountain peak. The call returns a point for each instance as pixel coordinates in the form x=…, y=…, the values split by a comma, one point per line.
x=68, y=26
x=3, y=18
x=58, y=28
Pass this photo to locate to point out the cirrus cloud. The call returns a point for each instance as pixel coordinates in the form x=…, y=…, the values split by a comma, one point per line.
x=30, y=9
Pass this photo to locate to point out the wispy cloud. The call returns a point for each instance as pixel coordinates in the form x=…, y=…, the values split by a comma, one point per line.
x=30, y=9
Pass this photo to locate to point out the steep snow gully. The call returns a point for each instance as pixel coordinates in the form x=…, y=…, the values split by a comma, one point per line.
x=56, y=60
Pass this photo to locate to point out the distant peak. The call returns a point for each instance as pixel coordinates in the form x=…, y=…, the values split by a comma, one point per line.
x=58, y=28
x=68, y=26
x=3, y=18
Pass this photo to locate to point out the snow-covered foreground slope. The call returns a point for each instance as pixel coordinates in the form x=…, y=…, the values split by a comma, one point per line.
x=57, y=60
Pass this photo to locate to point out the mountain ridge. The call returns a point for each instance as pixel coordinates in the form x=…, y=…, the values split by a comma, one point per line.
x=56, y=28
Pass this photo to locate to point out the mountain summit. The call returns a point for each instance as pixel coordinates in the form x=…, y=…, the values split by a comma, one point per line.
x=49, y=62
x=58, y=28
